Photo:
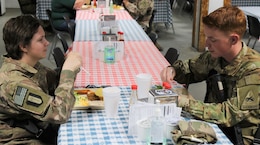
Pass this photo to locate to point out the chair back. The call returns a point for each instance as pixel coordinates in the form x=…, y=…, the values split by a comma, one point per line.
x=59, y=57
x=171, y=55
x=63, y=42
x=49, y=13
x=27, y=6
x=149, y=29
x=253, y=26
x=71, y=27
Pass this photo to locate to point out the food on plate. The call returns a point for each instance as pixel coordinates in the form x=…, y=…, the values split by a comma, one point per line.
x=91, y=94
x=89, y=98
x=85, y=6
x=99, y=93
x=118, y=7
x=81, y=100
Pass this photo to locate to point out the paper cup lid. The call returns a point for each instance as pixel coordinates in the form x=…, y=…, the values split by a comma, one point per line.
x=111, y=90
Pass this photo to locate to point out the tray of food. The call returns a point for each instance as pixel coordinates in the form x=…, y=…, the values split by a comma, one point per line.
x=87, y=98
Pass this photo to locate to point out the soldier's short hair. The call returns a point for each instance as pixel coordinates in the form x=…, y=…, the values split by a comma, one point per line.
x=228, y=19
x=19, y=31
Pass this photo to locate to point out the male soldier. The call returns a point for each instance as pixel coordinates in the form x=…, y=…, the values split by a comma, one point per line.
x=140, y=10
x=232, y=72
x=31, y=109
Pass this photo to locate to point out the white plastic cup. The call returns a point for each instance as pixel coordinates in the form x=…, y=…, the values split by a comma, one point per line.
x=144, y=130
x=144, y=83
x=111, y=100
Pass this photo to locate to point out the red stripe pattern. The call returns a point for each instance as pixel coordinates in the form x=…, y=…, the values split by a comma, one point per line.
x=140, y=57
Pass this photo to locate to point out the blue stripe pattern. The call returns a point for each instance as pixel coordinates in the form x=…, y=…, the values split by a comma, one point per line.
x=87, y=30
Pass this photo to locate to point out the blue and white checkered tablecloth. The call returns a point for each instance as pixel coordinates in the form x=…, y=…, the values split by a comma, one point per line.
x=87, y=30
x=41, y=7
x=163, y=12
x=91, y=127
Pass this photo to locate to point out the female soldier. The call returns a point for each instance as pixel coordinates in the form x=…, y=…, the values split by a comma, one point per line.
x=28, y=113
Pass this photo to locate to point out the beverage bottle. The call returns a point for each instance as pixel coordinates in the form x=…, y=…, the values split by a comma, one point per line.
x=157, y=128
x=111, y=7
x=133, y=97
x=94, y=3
x=109, y=52
x=120, y=36
x=167, y=85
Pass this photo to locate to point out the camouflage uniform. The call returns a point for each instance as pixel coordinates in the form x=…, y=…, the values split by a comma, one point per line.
x=56, y=110
x=141, y=11
x=242, y=104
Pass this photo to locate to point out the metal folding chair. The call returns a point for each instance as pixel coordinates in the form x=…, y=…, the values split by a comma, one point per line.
x=171, y=55
x=254, y=29
x=54, y=42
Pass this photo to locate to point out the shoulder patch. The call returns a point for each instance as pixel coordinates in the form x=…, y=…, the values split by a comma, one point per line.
x=19, y=95
x=31, y=100
x=250, y=101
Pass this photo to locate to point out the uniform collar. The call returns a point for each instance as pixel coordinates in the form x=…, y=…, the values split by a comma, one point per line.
x=18, y=65
x=233, y=67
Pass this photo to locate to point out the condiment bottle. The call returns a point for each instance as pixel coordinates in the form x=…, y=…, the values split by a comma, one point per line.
x=94, y=3
x=167, y=85
x=133, y=97
x=120, y=36
x=109, y=52
x=111, y=5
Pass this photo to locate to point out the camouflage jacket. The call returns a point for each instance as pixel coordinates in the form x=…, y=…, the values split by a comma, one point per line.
x=242, y=104
x=57, y=108
x=141, y=11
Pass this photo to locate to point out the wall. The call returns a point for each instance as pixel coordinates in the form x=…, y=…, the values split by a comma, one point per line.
x=205, y=6
x=214, y=4
x=11, y=4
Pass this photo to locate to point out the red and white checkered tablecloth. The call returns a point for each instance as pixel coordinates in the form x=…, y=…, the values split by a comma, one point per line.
x=140, y=57
x=94, y=14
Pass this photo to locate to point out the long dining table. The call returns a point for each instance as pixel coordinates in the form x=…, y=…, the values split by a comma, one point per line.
x=92, y=127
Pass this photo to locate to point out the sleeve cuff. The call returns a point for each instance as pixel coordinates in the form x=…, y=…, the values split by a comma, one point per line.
x=183, y=102
x=67, y=75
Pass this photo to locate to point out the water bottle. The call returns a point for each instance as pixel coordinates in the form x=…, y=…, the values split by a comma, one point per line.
x=111, y=5
x=109, y=52
x=157, y=128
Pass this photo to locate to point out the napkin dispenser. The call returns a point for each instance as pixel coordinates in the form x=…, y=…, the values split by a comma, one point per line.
x=99, y=48
x=163, y=96
x=108, y=24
